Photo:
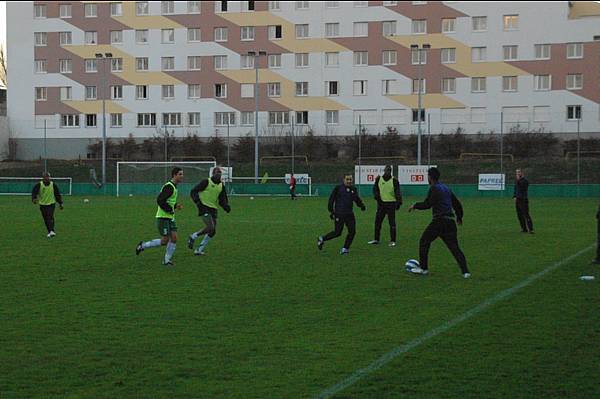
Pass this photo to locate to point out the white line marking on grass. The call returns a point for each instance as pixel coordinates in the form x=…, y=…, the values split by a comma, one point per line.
x=391, y=355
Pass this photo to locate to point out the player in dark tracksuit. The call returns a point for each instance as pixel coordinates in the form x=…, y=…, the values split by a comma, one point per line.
x=340, y=207
x=386, y=191
x=441, y=201
x=47, y=194
x=597, y=260
x=522, y=202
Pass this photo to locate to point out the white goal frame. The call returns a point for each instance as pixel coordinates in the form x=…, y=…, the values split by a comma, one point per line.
x=277, y=179
x=152, y=163
x=37, y=179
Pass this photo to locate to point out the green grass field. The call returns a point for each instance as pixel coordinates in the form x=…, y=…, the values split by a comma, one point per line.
x=266, y=315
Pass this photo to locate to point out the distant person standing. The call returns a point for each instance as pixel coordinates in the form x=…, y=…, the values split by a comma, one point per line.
x=293, y=186
x=386, y=191
x=597, y=260
x=521, y=196
x=46, y=193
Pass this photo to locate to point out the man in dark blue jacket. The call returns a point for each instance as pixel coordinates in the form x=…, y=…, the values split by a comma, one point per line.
x=441, y=201
x=521, y=196
x=340, y=208
x=597, y=260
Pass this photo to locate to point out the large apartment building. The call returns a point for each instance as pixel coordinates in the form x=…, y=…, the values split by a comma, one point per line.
x=192, y=67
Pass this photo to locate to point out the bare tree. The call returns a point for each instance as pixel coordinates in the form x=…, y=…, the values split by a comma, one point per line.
x=3, y=70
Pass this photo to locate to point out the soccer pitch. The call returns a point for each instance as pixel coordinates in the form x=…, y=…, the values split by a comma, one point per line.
x=266, y=315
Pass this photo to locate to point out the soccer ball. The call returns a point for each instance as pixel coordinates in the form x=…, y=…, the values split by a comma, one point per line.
x=251, y=198
x=85, y=201
x=131, y=195
x=411, y=264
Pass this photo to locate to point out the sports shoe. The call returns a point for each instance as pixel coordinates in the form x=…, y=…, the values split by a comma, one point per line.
x=373, y=242
x=320, y=243
x=596, y=262
x=169, y=263
x=532, y=232
x=139, y=248
x=51, y=234
x=418, y=270
x=344, y=251
x=392, y=244
x=199, y=253
x=190, y=242
x=466, y=275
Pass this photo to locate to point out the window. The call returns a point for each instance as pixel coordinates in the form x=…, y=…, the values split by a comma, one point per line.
x=301, y=31
x=39, y=11
x=416, y=117
x=64, y=11
x=141, y=8
x=248, y=5
x=116, y=9
x=91, y=65
x=141, y=64
x=66, y=66
x=416, y=85
x=40, y=38
x=332, y=59
x=574, y=81
x=167, y=63
x=389, y=28
x=452, y=115
x=511, y=22
x=365, y=116
x=273, y=89
x=515, y=114
x=171, y=119
x=419, y=26
x=541, y=114
x=274, y=6
x=418, y=56
x=247, y=33
x=541, y=82
x=392, y=116
x=167, y=7
x=389, y=87
x=246, y=61
x=361, y=4
x=220, y=34
x=194, y=63
x=247, y=118
x=301, y=60
x=361, y=58
x=194, y=118
x=478, y=85
x=41, y=93
x=418, y=3
x=449, y=85
x=389, y=57
x=302, y=5
x=116, y=120
x=359, y=88
x=448, y=25
x=573, y=112
x=221, y=6
x=391, y=3
x=301, y=89
x=509, y=83
x=193, y=34
x=448, y=55
x=116, y=92
x=40, y=66
x=69, y=121
x=116, y=37
x=302, y=117
x=146, y=119
x=332, y=117
x=66, y=93
x=478, y=54
x=542, y=51
x=91, y=93
x=65, y=38
x=220, y=62
x=193, y=7
x=510, y=52
x=91, y=120
x=332, y=29
x=91, y=10
x=91, y=37
x=141, y=92
x=274, y=32
x=224, y=118
x=168, y=36
x=221, y=90
x=332, y=4
x=141, y=36
x=574, y=50
x=478, y=114
x=479, y=24
x=116, y=64
x=274, y=60
x=332, y=88
x=247, y=90
x=361, y=29
x=279, y=118
x=194, y=91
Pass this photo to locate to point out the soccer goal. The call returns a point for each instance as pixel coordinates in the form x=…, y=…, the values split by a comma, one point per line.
x=24, y=185
x=146, y=178
x=268, y=186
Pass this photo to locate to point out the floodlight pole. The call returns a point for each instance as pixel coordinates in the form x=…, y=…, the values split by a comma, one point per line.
x=420, y=52
x=103, y=57
x=256, y=55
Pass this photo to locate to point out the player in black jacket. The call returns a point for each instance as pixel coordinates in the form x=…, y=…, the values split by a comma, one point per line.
x=597, y=260
x=386, y=191
x=340, y=208
x=521, y=196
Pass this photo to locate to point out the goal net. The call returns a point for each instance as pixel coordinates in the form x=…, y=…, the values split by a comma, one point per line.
x=267, y=186
x=146, y=178
x=24, y=185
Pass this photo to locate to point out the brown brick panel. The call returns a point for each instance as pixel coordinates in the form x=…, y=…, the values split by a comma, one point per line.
x=433, y=12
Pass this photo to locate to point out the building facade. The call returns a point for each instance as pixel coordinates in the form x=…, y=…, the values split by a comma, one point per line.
x=191, y=67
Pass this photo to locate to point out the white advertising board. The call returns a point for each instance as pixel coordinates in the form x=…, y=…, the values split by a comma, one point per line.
x=413, y=174
x=491, y=181
x=366, y=174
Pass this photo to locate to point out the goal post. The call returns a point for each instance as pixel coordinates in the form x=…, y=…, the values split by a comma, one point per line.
x=269, y=186
x=24, y=185
x=146, y=178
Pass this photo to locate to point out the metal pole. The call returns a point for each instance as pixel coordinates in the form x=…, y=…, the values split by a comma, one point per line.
x=293, y=135
x=228, y=146
x=578, y=157
x=104, y=123
x=501, y=142
x=359, y=151
x=428, y=139
x=419, y=88
x=45, y=150
x=256, y=120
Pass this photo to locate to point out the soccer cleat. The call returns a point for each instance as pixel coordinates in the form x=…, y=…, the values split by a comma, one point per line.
x=320, y=243
x=139, y=248
x=199, y=253
x=51, y=234
x=169, y=263
x=190, y=242
x=596, y=262
x=392, y=244
x=418, y=270
x=344, y=251
x=466, y=275
x=373, y=242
